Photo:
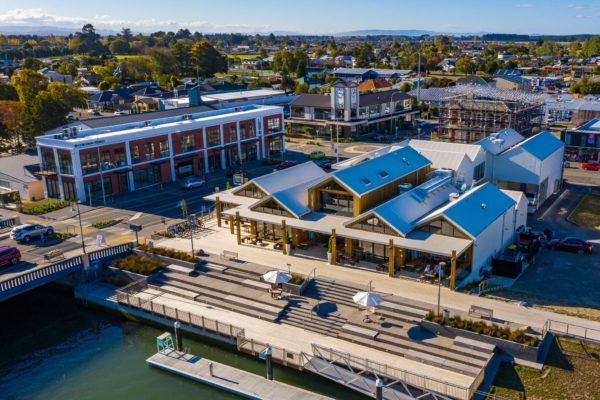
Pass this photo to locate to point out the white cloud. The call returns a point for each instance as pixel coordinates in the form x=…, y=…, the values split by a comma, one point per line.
x=38, y=17
x=524, y=5
x=579, y=6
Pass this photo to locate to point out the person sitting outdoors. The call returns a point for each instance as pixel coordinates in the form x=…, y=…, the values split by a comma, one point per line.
x=427, y=269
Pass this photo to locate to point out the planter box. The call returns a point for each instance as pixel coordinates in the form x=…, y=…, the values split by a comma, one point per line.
x=129, y=274
x=166, y=260
x=296, y=289
x=522, y=354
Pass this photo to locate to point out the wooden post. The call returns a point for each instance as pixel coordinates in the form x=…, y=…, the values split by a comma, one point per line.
x=402, y=254
x=283, y=237
x=254, y=228
x=218, y=211
x=295, y=237
x=453, y=270
x=231, y=225
x=348, y=247
x=391, y=258
x=333, y=247
x=239, y=228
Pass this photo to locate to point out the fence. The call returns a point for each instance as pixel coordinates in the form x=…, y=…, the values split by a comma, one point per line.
x=379, y=369
x=572, y=331
x=175, y=314
x=280, y=355
x=109, y=253
x=9, y=222
x=39, y=277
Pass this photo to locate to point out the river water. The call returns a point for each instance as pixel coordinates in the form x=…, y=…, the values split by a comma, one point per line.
x=51, y=347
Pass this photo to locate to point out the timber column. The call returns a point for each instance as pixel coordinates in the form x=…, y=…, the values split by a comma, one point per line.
x=231, y=225
x=453, y=270
x=218, y=211
x=238, y=227
x=283, y=237
x=333, y=239
x=391, y=258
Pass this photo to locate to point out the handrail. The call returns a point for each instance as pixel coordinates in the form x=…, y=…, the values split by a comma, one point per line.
x=571, y=330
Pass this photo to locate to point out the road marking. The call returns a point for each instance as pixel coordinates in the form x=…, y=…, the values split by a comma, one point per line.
x=36, y=221
x=136, y=216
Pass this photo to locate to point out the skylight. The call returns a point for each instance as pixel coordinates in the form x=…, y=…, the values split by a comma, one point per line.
x=366, y=181
x=383, y=174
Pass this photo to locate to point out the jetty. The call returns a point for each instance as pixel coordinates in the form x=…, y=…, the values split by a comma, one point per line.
x=226, y=378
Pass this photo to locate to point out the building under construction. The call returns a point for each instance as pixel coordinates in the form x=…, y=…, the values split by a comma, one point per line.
x=468, y=114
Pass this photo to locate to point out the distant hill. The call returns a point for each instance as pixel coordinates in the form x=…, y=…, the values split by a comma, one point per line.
x=387, y=32
x=46, y=30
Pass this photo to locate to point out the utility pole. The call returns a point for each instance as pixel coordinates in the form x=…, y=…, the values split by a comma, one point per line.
x=419, y=80
x=337, y=144
x=80, y=228
x=441, y=268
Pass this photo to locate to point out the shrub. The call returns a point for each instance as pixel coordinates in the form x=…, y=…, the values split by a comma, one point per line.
x=171, y=253
x=480, y=327
x=103, y=224
x=116, y=280
x=297, y=279
x=139, y=264
x=43, y=206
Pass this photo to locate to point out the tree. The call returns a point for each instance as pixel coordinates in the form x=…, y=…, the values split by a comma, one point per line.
x=104, y=85
x=301, y=88
x=10, y=125
x=33, y=64
x=162, y=62
x=259, y=83
x=119, y=46
x=182, y=52
x=67, y=68
x=126, y=35
x=87, y=40
x=301, y=68
x=287, y=83
x=206, y=60
x=465, y=65
x=262, y=53
x=71, y=95
x=28, y=83
x=136, y=69
x=405, y=87
x=47, y=112
x=363, y=55
x=8, y=92
x=585, y=86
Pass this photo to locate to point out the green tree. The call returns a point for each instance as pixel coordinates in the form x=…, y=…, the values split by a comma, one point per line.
x=405, y=87
x=104, y=85
x=287, y=83
x=465, y=65
x=67, y=68
x=206, y=60
x=70, y=94
x=126, y=35
x=136, y=69
x=33, y=64
x=301, y=88
x=363, y=55
x=301, y=68
x=262, y=53
x=28, y=83
x=119, y=46
x=162, y=62
x=8, y=92
x=259, y=83
x=10, y=125
x=182, y=52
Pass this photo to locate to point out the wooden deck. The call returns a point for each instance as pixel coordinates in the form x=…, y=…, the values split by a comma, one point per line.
x=227, y=378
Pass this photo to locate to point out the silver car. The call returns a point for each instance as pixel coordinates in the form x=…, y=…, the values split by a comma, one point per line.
x=24, y=233
x=190, y=183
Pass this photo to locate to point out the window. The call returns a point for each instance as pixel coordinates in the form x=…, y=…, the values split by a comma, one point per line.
x=120, y=157
x=298, y=112
x=213, y=136
x=366, y=181
x=187, y=142
x=146, y=177
x=164, y=148
x=383, y=174
x=231, y=134
x=273, y=125
x=135, y=153
x=247, y=131
x=48, y=162
x=105, y=161
x=149, y=150
x=66, y=165
x=479, y=171
x=89, y=163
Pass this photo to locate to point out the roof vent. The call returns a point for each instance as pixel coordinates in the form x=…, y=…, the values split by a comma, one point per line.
x=383, y=174
x=453, y=196
x=366, y=181
x=147, y=123
x=483, y=206
x=186, y=117
x=405, y=161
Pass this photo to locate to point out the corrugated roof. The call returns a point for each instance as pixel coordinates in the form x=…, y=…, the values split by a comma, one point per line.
x=542, y=145
x=444, y=154
x=312, y=100
x=290, y=177
x=403, y=211
x=21, y=167
x=382, y=97
x=366, y=176
x=295, y=198
x=476, y=209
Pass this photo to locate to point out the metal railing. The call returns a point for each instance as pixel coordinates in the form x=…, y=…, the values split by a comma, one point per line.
x=280, y=355
x=111, y=252
x=571, y=330
x=175, y=314
x=8, y=222
x=432, y=387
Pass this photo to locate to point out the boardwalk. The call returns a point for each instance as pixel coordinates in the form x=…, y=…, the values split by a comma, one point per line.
x=227, y=378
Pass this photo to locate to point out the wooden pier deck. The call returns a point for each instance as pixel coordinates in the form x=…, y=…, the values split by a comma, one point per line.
x=229, y=379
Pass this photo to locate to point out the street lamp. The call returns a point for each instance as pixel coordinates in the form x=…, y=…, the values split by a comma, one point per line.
x=80, y=225
x=396, y=120
x=442, y=265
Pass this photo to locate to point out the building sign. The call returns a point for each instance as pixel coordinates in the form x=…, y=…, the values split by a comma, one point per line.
x=354, y=97
x=339, y=98
x=94, y=143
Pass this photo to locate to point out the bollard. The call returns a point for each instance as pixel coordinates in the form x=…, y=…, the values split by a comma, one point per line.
x=269, y=359
x=379, y=389
x=210, y=369
x=178, y=339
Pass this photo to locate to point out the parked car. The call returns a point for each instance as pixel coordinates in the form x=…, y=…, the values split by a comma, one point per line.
x=324, y=163
x=317, y=155
x=286, y=164
x=532, y=200
x=24, y=233
x=116, y=113
x=191, y=183
x=9, y=255
x=571, y=244
x=591, y=166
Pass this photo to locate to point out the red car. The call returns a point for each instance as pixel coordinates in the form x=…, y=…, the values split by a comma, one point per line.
x=591, y=166
x=9, y=255
x=573, y=245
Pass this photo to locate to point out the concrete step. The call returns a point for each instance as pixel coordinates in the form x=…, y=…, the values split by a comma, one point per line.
x=188, y=294
x=224, y=304
x=178, y=269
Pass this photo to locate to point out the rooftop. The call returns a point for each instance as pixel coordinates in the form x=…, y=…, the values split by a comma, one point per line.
x=497, y=142
x=542, y=145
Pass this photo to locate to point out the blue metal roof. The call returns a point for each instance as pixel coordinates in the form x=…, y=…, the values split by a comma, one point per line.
x=368, y=175
x=590, y=125
x=477, y=209
x=542, y=145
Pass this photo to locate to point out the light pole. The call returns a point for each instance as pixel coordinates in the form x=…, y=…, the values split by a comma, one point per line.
x=190, y=222
x=442, y=265
x=394, y=111
x=80, y=227
x=337, y=142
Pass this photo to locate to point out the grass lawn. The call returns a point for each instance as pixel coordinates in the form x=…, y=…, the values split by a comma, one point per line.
x=572, y=371
x=125, y=56
x=243, y=56
x=587, y=213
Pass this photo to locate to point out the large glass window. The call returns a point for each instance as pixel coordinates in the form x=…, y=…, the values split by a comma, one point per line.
x=66, y=165
x=135, y=153
x=48, y=162
x=298, y=112
x=149, y=151
x=120, y=157
x=231, y=134
x=273, y=125
x=213, y=136
x=69, y=190
x=105, y=161
x=96, y=190
x=164, y=148
x=187, y=142
x=89, y=163
x=146, y=177
x=247, y=131
x=479, y=171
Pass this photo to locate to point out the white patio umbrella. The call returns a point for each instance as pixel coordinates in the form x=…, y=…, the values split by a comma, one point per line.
x=367, y=299
x=277, y=277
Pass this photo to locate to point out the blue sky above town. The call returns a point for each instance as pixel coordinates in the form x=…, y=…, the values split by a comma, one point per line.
x=309, y=16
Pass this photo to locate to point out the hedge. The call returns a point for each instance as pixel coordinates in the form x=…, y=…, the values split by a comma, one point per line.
x=103, y=224
x=139, y=264
x=171, y=253
x=43, y=206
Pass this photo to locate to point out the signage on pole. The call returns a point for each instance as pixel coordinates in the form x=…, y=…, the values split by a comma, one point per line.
x=99, y=240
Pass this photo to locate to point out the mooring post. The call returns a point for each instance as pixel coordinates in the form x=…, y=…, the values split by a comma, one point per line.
x=379, y=389
x=269, y=359
x=178, y=339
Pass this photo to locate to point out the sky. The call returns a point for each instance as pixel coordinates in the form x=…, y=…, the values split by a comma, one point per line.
x=309, y=16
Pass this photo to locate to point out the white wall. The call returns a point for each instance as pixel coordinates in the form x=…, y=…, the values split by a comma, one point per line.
x=552, y=168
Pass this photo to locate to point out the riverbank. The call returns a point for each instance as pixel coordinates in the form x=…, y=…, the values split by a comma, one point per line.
x=55, y=348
